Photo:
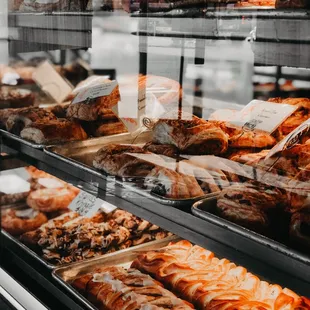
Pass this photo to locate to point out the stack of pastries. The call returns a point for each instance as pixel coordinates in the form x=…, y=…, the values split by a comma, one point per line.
x=71, y=237
x=191, y=273
x=48, y=197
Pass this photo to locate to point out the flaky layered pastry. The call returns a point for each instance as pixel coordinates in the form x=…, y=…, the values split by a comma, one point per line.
x=118, y=289
x=71, y=238
x=196, y=275
x=194, y=136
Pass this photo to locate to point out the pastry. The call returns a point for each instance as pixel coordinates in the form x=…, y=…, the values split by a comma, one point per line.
x=71, y=238
x=117, y=289
x=90, y=110
x=194, y=136
x=161, y=149
x=16, y=98
x=107, y=128
x=16, y=122
x=249, y=157
x=54, y=131
x=51, y=199
x=17, y=222
x=168, y=183
x=111, y=158
x=196, y=275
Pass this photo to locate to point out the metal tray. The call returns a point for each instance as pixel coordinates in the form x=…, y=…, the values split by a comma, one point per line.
x=80, y=156
x=65, y=275
x=205, y=209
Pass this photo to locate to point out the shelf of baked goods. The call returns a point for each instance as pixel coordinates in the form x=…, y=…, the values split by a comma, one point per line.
x=46, y=252
x=161, y=173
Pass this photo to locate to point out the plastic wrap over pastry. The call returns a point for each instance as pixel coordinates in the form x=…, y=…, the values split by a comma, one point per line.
x=196, y=275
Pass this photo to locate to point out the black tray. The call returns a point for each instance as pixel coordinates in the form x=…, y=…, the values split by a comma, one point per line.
x=205, y=209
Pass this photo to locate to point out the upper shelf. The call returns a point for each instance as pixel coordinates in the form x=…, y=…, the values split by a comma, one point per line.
x=49, y=31
x=278, y=37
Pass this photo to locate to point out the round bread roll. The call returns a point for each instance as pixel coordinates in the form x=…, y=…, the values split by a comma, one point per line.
x=17, y=222
x=51, y=199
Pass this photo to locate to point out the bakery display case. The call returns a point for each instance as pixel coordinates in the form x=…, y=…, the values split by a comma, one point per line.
x=154, y=154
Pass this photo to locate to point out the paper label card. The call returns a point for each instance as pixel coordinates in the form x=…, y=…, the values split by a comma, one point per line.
x=85, y=204
x=100, y=90
x=262, y=115
x=52, y=82
x=290, y=140
x=107, y=207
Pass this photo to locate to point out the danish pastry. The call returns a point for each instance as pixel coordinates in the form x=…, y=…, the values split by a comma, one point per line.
x=51, y=199
x=116, y=288
x=196, y=275
x=17, y=222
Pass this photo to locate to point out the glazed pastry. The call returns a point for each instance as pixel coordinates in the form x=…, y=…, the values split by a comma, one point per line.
x=51, y=199
x=195, y=136
x=117, y=288
x=16, y=98
x=89, y=111
x=54, y=131
x=196, y=275
x=17, y=222
x=16, y=122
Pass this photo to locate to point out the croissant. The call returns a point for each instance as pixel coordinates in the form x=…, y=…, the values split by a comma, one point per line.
x=211, y=283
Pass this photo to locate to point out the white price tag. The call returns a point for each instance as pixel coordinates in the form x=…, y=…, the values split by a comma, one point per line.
x=100, y=90
x=85, y=204
x=107, y=207
x=263, y=115
x=290, y=140
x=52, y=82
